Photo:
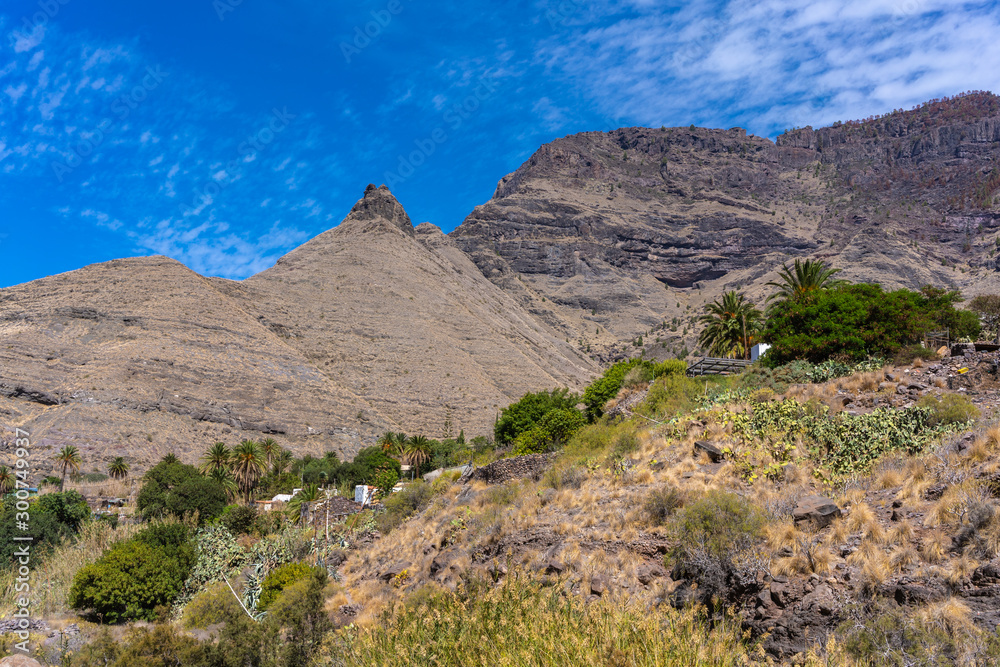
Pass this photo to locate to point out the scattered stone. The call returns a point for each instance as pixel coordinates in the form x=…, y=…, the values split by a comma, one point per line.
x=597, y=585
x=935, y=491
x=714, y=452
x=818, y=509
x=556, y=567
x=394, y=571
x=19, y=661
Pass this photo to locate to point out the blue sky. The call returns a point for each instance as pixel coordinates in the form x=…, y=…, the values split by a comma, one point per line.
x=224, y=133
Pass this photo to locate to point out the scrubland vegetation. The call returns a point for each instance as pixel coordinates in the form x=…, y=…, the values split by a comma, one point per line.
x=662, y=524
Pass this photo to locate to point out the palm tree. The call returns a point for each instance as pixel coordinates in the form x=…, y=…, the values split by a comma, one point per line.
x=68, y=458
x=803, y=279
x=282, y=462
x=7, y=480
x=225, y=479
x=170, y=458
x=216, y=457
x=247, y=466
x=269, y=447
x=418, y=451
x=731, y=326
x=118, y=469
x=309, y=494
x=392, y=443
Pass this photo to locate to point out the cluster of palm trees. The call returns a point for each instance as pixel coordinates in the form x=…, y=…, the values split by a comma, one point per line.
x=733, y=324
x=412, y=450
x=241, y=468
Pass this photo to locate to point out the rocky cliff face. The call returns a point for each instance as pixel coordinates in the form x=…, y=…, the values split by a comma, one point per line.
x=631, y=232
x=600, y=244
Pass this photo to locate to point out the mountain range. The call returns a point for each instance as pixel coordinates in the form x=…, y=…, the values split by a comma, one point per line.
x=601, y=245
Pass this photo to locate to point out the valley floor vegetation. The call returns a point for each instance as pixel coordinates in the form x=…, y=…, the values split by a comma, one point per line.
x=662, y=522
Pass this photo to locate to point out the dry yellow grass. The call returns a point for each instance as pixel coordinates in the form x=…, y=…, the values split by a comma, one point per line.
x=961, y=568
x=889, y=478
x=935, y=545
x=901, y=533
x=902, y=556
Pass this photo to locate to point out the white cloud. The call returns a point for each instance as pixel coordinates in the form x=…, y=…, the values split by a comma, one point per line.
x=778, y=63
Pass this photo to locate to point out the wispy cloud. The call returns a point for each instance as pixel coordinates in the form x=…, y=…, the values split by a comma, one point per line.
x=776, y=63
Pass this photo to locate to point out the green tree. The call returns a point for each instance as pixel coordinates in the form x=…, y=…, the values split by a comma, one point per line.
x=68, y=458
x=7, y=480
x=802, y=280
x=606, y=387
x=178, y=489
x=282, y=462
x=856, y=322
x=217, y=457
x=987, y=306
x=418, y=451
x=526, y=413
x=127, y=583
x=269, y=448
x=118, y=468
x=248, y=467
x=309, y=494
x=393, y=444
x=732, y=326
x=69, y=508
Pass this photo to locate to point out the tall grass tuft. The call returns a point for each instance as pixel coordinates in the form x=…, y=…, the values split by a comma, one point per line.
x=523, y=623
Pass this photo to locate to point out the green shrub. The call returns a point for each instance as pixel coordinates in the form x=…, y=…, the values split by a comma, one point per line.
x=661, y=504
x=524, y=415
x=279, y=579
x=214, y=604
x=551, y=432
x=672, y=394
x=240, y=519
x=174, y=540
x=717, y=541
x=606, y=387
x=949, y=409
x=626, y=442
x=638, y=375
x=127, y=583
x=400, y=506
x=720, y=524
x=69, y=508
x=907, y=354
x=670, y=367
x=857, y=321
x=171, y=488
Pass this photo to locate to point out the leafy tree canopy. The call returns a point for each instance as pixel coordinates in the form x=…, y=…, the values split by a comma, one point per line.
x=523, y=415
x=174, y=488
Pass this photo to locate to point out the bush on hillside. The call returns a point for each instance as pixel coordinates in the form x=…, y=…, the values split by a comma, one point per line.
x=400, y=506
x=127, y=583
x=551, y=432
x=240, y=519
x=858, y=321
x=171, y=488
x=717, y=537
x=606, y=387
x=949, y=409
x=670, y=367
x=279, y=579
x=68, y=508
x=528, y=411
x=661, y=504
x=214, y=604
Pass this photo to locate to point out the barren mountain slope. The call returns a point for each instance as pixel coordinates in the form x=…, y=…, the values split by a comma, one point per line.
x=405, y=320
x=139, y=357
x=623, y=231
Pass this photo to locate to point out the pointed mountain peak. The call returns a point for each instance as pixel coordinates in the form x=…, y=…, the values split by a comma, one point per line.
x=377, y=203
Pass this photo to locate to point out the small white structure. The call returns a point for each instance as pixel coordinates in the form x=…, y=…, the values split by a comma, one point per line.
x=758, y=350
x=364, y=494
